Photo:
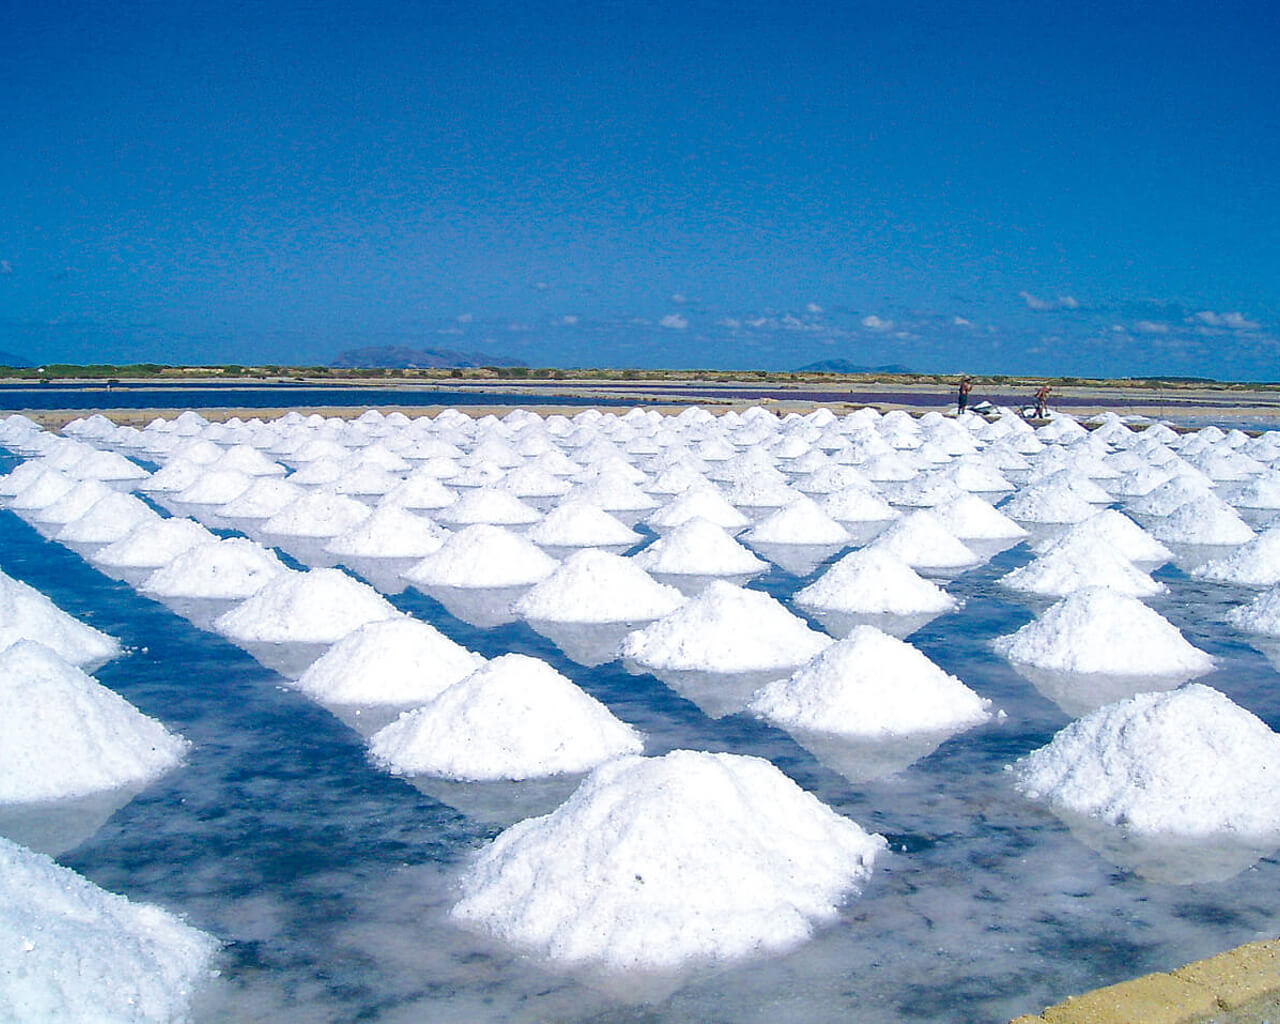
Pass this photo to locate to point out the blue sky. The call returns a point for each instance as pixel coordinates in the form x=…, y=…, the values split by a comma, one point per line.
x=1078, y=188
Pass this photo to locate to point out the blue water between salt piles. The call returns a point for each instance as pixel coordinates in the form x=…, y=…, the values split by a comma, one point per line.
x=330, y=881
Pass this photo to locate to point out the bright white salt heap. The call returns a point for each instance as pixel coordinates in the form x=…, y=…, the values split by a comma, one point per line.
x=1052, y=502
x=152, y=543
x=801, y=522
x=596, y=586
x=1261, y=615
x=264, y=497
x=26, y=614
x=1185, y=763
x=513, y=718
x=1071, y=565
x=874, y=582
x=488, y=505
x=923, y=542
x=579, y=524
x=1256, y=564
x=320, y=606
x=871, y=685
x=655, y=863
x=76, y=952
x=483, y=556
x=318, y=514
x=232, y=568
x=108, y=520
x=397, y=661
x=1204, y=520
x=1117, y=531
x=1096, y=630
x=703, y=503
x=390, y=532
x=971, y=518
x=64, y=734
x=698, y=547
x=725, y=629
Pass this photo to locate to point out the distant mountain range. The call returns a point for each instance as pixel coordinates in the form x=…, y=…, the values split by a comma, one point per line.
x=844, y=366
x=9, y=359
x=401, y=357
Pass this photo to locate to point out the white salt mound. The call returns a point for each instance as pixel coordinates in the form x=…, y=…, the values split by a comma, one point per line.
x=1261, y=615
x=871, y=685
x=1071, y=565
x=390, y=532
x=397, y=661
x=26, y=614
x=230, y=568
x=923, y=542
x=703, y=503
x=874, y=582
x=488, y=505
x=657, y=862
x=483, y=556
x=107, y=520
x=152, y=543
x=75, y=952
x=801, y=522
x=1096, y=630
x=596, y=586
x=1256, y=564
x=579, y=524
x=319, y=606
x=1187, y=763
x=513, y=718
x=1117, y=531
x=1204, y=520
x=698, y=547
x=970, y=518
x=725, y=629
x=318, y=514
x=266, y=496
x=855, y=505
x=64, y=734
x=1050, y=502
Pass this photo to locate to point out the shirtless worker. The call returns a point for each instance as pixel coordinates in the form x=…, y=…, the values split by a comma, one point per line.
x=962, y=396
x=1042, y=401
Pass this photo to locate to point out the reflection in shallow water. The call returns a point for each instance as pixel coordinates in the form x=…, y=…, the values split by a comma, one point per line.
x=1078, y=693
x=55, y=826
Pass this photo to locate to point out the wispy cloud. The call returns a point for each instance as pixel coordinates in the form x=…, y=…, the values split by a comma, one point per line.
x=6, y=267
x=1151, y=327
x=1224, y=321
x=874, y=323
x=1046, y=305
x=674, y=322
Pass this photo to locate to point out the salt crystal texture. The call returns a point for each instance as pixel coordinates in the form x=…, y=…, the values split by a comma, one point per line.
x=1187, y=763
x=1204, y=520
x=702, y=503
x=725, y=629
x=513, y=718
x=579, y=524
x=152, y=543
x=64, y=734
x=654, y=863
x=970, y=518
x=873, y=581
x=871, y=685
x=923, y=542
x=318, y=514
x=488, y=505
x=109, y=519
x=263, y=499
x=596, y=586
x=319, y=606
x=1117, y=531
x=390, y=532
x=698, y=547
x=1096, y=630
x=1256, y=564
x=76, y=952
x=26, y=614
x=1048, y=503
x=1071, y=565
x=483, y=556
x=801, y=522
x=1261, y=615
x=230, y=568
x=397, y=662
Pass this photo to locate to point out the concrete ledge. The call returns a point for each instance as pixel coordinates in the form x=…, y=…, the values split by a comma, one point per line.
x=1241, y=985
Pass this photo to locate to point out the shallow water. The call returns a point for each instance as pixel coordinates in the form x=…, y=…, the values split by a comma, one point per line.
x=330, y=881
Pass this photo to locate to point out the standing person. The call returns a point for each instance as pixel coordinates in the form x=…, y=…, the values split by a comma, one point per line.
x=1042, y=401
x=962, y=395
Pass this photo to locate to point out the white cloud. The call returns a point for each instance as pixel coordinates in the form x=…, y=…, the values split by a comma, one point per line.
x=1229, y=321
x=875, y=323
x=1151, y=327
x=1045, y=305
x=465, y=318
x=729, y=322
x=759, y=321
x=674, y=321
x=569, y=320
x=679, y=298
x=6, y=267
x=959, y=321
x=813, y=308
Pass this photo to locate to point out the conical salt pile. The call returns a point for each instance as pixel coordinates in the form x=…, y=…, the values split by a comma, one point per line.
x=26, y=614
x=873, y=581
x=319, y=606
x=698, y=547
